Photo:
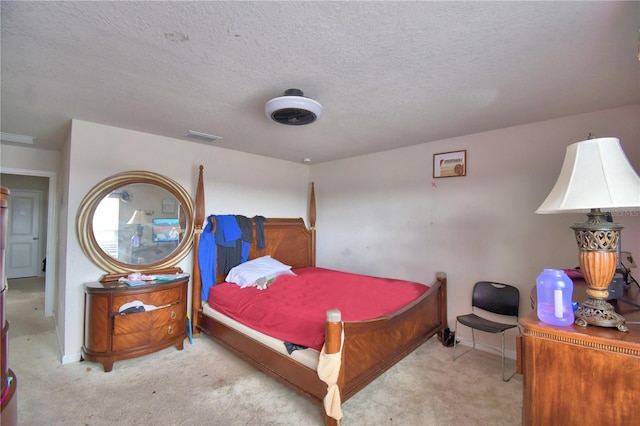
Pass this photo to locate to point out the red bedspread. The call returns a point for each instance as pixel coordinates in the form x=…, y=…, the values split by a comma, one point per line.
x=293, y=308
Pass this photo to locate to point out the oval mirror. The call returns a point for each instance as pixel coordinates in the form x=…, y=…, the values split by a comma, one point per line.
x=136, y=221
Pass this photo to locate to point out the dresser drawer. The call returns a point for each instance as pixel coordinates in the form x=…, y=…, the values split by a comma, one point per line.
x=156, y=298
x=153, y=336
x=142, y=321
x=111, y=336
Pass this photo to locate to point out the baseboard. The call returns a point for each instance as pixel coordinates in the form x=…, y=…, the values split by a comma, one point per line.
x=69, y=358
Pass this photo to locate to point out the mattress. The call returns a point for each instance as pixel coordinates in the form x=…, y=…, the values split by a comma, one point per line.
x=293, y=308
x=307, y=357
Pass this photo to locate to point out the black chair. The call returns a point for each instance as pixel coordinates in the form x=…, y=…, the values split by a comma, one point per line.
x=499, y=299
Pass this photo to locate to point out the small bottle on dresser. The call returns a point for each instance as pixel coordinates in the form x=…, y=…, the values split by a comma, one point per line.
x=555, y=291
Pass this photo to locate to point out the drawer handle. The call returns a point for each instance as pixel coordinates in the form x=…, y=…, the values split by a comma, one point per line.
x=170, y=329
x=173, y=315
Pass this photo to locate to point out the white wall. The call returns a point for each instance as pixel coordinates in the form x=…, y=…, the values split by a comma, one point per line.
x=29, y=158
x=29, y=161
x=385, y=215
x=235, y=183
x=382, y=214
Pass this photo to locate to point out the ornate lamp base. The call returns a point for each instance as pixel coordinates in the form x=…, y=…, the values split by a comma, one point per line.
x=598, y=243
x=601, y=313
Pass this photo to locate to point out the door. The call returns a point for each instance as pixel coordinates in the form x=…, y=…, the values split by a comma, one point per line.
x=23, y=236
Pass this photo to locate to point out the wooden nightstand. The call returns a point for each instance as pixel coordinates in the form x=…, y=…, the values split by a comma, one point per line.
x=111, y=336
x=581, y=375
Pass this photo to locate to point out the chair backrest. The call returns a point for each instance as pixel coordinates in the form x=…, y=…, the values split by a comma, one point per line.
x=503, y=299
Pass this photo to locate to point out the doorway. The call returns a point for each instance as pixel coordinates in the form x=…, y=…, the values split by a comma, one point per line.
x=23, y=237
x=35, y=180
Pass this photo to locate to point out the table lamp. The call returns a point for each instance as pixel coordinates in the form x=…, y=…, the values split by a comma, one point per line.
x=596, y=178
x=139, y=218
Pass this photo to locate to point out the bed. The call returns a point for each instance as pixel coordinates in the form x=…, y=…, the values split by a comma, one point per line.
x=365, y=349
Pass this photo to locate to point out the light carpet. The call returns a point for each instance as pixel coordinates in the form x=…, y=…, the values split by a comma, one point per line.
x=204, y=384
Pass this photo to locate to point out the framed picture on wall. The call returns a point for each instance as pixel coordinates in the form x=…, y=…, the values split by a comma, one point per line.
x=450, y=164
x=168, y=205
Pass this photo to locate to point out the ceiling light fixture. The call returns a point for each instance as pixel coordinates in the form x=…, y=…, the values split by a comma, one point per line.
x=10, y=137
x=293, y=109
x=203, y=136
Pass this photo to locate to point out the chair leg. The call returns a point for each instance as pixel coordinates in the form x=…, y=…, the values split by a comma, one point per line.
x=473, y=337
x=502, y=355
x=455, y=343
x=514, y=373
x=455, y=333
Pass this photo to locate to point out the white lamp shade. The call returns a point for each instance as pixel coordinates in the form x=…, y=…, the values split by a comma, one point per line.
x=139, y=218
x=596, y=174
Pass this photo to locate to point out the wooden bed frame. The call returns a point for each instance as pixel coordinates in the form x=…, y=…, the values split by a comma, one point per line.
x=370, y=347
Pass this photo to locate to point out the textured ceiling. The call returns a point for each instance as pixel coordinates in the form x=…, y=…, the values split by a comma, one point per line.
x=388, y=74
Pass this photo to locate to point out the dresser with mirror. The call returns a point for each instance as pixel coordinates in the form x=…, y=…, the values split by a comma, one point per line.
x=136, y=226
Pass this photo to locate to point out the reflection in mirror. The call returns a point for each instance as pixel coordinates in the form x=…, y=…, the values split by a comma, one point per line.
x=136, y=221
x=144, y=229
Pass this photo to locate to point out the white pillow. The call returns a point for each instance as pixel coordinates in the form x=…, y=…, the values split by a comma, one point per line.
x=263, y=269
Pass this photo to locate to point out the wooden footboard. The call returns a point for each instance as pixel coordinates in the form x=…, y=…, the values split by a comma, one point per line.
x=294, y=375
x=370, y=347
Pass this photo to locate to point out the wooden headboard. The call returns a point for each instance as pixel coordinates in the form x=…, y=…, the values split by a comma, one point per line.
x=286, y=239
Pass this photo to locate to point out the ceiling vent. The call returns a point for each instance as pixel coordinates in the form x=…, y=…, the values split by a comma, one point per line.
x=293, y=109
x=11, y=137
x=202, y=136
